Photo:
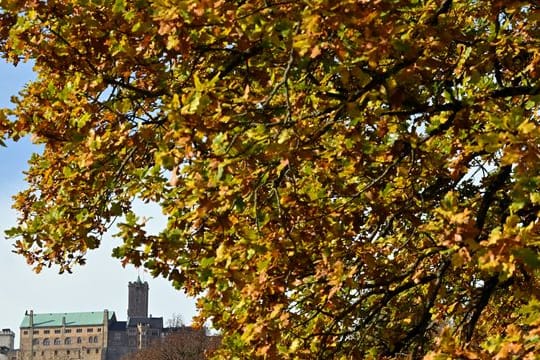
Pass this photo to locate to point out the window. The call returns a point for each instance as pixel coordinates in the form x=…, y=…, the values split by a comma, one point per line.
x=90, y=330
x=95, y=339
x=67, y=341
x=91, y=339
x=99, y=330
x=36, y=332
x=88, y=351
x=35, y=342
x=46, y=342
x=57, y=341
x=79, y=330
x=79, y=340
x=25, y=332
x=46, y=331
x=55, y=352
x=57, y=331
x=67, y=331
x=67, y=352
x=97, y=351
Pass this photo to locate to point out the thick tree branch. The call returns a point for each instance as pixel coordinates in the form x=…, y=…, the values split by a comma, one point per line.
x=420, y=327
x=443, y=9
x=487, y=200
x=515, y=91
x=239, y=58
x=487, y=291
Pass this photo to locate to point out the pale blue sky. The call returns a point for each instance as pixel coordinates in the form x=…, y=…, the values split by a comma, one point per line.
x=101, y=284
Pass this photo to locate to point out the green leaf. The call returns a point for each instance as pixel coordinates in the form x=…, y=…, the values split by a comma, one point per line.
x=529, y=257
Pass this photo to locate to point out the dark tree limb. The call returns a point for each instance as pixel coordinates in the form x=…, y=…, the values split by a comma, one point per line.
x=515, y=91
x=487, y=291
x=421, y=326
x=443, y=9
x=489, y=195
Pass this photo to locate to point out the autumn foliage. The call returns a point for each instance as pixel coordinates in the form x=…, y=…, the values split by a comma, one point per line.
x=183, y=343
x=342, y=179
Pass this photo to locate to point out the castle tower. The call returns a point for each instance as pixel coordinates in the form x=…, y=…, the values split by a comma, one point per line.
x=7, y=340
x=137, y=299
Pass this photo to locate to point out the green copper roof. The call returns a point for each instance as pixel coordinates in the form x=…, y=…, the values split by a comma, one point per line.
x=69, y=319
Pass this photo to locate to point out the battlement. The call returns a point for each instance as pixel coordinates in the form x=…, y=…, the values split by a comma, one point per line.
x=138, y=283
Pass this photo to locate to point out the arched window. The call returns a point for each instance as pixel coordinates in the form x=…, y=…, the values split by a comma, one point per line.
x=46, y=342
x=95, y=339
x=67, y=341
x=57, y=341
x=91, y=339
x=79, y=340
x=35, y=342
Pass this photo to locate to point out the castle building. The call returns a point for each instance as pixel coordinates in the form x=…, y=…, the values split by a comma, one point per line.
x=94, y=335
x=7, y=342
x=66, y=336
x=139, y=330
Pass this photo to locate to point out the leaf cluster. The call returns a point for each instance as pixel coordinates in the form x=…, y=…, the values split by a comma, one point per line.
x=352, y=179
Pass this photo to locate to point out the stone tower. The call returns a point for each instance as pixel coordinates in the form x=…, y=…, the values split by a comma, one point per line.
x=137, y=299
x=7, y=340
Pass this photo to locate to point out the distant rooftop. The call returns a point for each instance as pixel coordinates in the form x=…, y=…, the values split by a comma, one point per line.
x=154, y=323
x=69, y=319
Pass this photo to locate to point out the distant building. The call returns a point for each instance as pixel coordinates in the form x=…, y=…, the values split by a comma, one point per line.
x=94, y=335
x=66, y=336
x=126, y=337
x=137, y=299
x=7, y=345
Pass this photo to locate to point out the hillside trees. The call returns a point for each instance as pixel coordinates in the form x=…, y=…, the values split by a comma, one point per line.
x=345, y=179
x=184, y=343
